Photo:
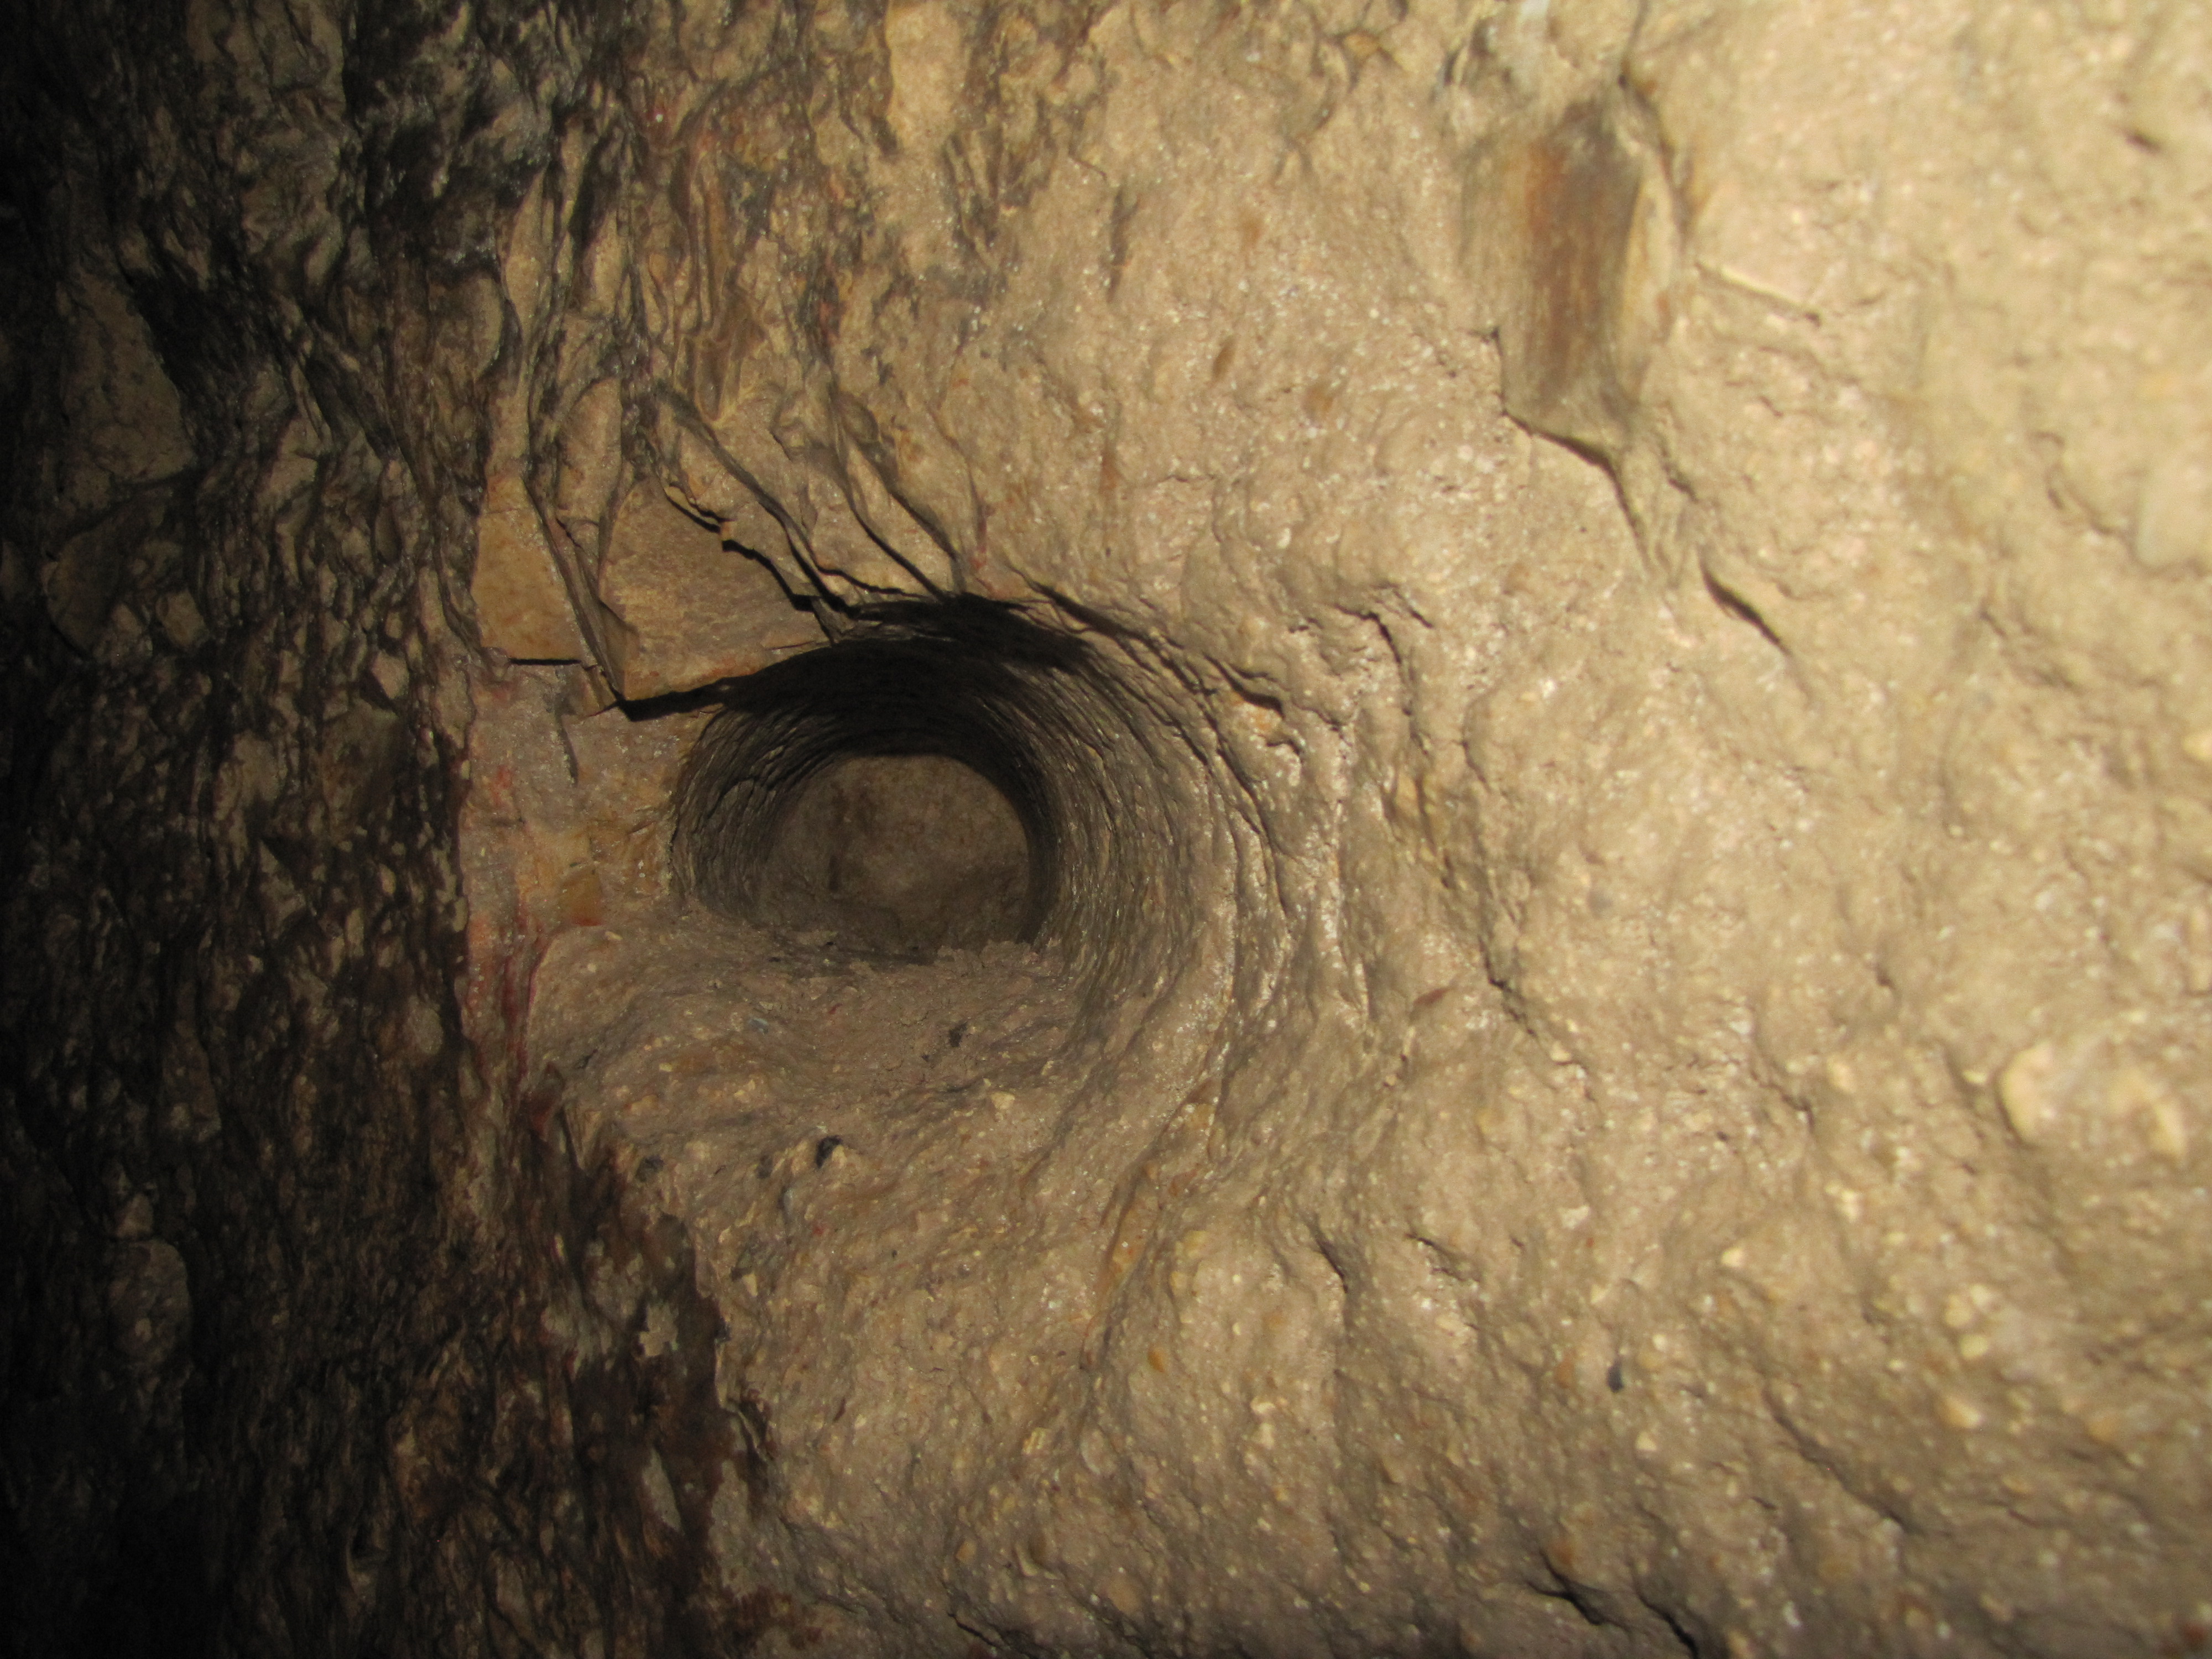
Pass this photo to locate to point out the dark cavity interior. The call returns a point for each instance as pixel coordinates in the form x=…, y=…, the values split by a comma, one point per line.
x=895, y=792
x=900, y=854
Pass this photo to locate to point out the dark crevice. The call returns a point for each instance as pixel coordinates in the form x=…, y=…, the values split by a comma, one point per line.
x=1743, y=610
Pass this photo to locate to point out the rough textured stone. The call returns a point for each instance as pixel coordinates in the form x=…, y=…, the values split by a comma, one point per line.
x=523, y=604
x=1615, y=1057
x=685, y=607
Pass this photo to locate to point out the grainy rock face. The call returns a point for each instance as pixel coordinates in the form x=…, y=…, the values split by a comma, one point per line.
x=1111, y=830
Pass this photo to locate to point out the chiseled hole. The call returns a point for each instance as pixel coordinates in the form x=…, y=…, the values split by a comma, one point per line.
x=908, y=790
x=958, y=772
x=903, y=854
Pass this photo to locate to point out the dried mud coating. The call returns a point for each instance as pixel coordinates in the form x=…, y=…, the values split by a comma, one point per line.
x=1585, y=1028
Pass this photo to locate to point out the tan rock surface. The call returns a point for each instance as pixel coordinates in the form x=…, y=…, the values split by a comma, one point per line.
x=683, y=608
x=1669, y=537
x=1611, y=1055
x=523, y=606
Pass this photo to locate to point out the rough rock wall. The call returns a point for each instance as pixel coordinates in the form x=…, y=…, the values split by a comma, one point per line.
x=1658, y=555
x=274, y=1369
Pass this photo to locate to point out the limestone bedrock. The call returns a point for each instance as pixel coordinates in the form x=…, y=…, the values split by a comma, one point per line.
x=1652, y=563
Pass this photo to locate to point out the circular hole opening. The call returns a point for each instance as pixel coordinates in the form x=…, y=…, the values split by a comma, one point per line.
x=924, y=784
x=951, y=774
